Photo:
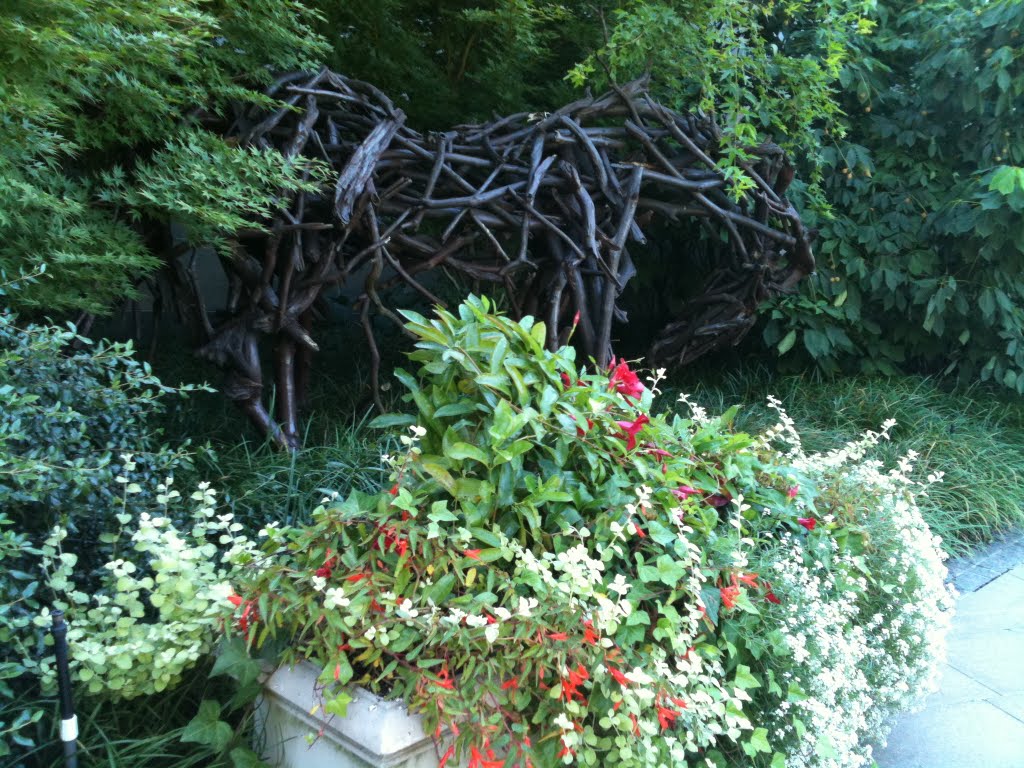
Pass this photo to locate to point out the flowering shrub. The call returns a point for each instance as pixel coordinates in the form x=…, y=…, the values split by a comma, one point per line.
x=558, y=575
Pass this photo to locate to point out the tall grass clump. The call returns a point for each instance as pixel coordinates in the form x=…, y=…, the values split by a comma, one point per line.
x=974, y=437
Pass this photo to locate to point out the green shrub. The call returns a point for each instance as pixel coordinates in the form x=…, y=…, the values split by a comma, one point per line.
x=70, y=411
x=559, y=575
x=69, y=408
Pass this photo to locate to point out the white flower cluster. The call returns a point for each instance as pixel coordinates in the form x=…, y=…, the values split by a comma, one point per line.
x=867, y=632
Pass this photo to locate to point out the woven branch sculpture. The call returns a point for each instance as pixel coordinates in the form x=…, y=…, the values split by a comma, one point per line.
x=545, y=206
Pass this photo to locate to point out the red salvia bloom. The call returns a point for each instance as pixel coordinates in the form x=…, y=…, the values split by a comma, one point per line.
x=750, y=579
x=667, y=717
x=771, y=597
x=589, y=635
x=617, y=676
x=729, y=595
x=793, y=491
x=807, y=522
x=513, y=684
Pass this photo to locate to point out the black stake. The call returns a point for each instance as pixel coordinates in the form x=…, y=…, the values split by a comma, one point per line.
x=68, y=720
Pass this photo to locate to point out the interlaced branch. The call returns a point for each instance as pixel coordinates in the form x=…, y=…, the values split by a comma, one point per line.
x=543, y=206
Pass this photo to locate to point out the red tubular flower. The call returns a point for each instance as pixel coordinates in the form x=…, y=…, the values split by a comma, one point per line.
x=576, y=319
x=653, y=451
x=566, y=380
x=394, y=490
x=557, y=636
x=807, y=522
x=729, y=595
x=447, y=756
x=625, y=381
x=571, y=684
x=617, y=676
x=513, y=684
x=589, y=635
x=793, y=491
x=750, y=579
x=636, y=724
x=771, y=597
x=354, y=577
x=631, y=428
x=667, y=717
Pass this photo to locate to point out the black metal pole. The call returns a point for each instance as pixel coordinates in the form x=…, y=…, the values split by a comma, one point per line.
x=68, y=719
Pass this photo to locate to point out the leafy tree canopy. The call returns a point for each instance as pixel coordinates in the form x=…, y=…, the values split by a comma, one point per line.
x=101, y=131
x=922, y=262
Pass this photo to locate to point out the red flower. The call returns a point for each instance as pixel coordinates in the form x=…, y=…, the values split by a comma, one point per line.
x=667, y=717
x=394, y=490
x=566, y=380
x=625, y=382
x=793, y=491
x=807, y=522
x=444, y=680
x=325, y=570
x=472, y=554
x=771, y=597
x=571, y=683
x=631, y=428
x=729, y=595
x=683, y=492
x=447, y=756
x=354, y=577
x=718, y=499
x=513, y=684
x=557, y=636
x=750, y=579
x=576, y=319
x=589, y=635
x=617, y=676
x=249, y=615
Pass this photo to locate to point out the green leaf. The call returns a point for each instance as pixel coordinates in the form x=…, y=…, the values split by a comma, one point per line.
x=758, y=742
x=787, y=342
x=461, y=451
x=389, y=420
x=243, y=757
x=339, y=704
x=235, y=662
x=207, y=728
x=744, y=679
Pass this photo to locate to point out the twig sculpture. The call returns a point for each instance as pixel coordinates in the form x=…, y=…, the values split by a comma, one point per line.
x=545, y=206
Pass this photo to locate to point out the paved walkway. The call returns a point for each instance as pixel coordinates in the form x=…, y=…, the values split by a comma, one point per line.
x=976, y=719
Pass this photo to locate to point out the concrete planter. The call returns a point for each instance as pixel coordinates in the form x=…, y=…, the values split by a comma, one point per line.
x=376, y=733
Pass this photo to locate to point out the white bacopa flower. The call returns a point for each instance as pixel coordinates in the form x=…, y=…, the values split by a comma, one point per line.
x=335, y=598
x=319, y=582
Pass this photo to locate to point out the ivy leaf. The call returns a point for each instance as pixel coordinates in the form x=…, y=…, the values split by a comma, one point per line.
x=235, y=662
x=243, y=757
x=207, y=728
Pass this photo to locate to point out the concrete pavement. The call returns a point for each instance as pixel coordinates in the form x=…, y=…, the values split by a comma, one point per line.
x=976, y=719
